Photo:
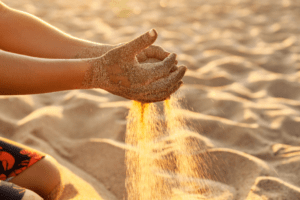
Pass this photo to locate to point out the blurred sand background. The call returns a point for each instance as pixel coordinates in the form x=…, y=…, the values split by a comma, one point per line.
x=241, y=94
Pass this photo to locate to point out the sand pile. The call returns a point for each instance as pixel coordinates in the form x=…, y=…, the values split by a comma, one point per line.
x=241, y=95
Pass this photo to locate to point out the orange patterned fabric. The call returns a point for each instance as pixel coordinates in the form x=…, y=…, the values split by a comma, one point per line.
x=14, y=160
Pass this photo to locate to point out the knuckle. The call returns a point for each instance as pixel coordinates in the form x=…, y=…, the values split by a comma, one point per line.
x=159, y=48
x=154, y=46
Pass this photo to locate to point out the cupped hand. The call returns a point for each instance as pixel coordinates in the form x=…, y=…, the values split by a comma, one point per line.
x=119, y=72
x=152, y=52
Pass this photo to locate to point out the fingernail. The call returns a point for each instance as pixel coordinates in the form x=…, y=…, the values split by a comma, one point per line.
x=152, y=33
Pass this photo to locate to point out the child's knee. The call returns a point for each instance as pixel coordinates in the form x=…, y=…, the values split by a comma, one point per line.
x=53, y=175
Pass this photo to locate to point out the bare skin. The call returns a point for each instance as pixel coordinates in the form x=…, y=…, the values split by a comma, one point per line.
x=50, y=42
x=152, y=52
x=21, y=74
x=38, y=38
x=30, y=75
x=126, y=77
x=41, y=177
x=36, y=57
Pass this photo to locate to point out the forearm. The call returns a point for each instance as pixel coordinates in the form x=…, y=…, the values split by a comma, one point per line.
x=29, y=75
x=26, y=34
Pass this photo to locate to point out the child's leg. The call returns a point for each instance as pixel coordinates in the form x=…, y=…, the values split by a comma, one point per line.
x=32, y=169
x=43, y=177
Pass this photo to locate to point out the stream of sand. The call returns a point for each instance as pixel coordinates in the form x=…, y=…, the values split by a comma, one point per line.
x=162, y=165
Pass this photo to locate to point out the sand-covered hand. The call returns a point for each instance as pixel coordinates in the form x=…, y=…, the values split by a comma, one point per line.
x=152, y=52
x=119, y=72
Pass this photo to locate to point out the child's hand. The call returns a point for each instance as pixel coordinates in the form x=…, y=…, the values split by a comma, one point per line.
x=153, y=51
x=119, y=72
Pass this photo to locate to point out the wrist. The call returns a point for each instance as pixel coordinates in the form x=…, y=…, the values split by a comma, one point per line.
x=83, y=67
x=96, y=50
x=94, y=74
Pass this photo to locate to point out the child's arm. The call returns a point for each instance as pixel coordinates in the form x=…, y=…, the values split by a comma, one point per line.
x=23, y=33
x=21, y=74
x=26, y=34
x=117, y=72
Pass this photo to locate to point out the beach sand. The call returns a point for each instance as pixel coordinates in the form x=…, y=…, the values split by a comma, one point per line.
x=241, y=94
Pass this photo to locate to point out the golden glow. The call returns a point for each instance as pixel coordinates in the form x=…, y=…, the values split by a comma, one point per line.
x=162, y=167
x=140, y=180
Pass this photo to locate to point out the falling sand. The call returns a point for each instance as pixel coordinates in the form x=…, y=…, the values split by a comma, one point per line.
x=162, y=163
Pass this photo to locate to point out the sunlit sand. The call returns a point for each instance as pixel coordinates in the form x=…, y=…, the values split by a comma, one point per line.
x=241, y=94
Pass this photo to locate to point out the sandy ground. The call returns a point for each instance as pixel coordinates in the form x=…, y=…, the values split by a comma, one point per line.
x=241, y=94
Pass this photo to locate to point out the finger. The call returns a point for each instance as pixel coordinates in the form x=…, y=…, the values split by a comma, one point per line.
x=132, y=48
x=165, y=95
x=156, y=52
x=141, y=57
x=174, y=68
x=162, y=69
x=170, y=61
x=169, y=81
x=162, y=95
x=160, y=85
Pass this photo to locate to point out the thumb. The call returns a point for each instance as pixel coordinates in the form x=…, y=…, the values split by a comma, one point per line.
x=140, y=43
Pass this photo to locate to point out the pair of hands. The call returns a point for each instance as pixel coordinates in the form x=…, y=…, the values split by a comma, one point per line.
x=136, y=70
